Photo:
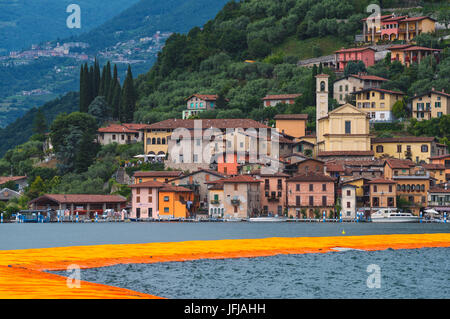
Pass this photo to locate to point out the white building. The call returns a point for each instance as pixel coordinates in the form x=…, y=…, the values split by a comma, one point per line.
x=348, y=201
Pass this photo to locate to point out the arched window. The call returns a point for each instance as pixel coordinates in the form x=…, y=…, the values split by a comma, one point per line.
x=163, y=141
x=422, y=188
x=153, y=140
x=399, y=187
x=322, y=86
x=158, y=141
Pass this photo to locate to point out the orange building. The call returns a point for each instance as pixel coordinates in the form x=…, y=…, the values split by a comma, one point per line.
x=443, y=160
x=414, y=190
x=156, y=176
x=228, y=164
x=382, y=193
x=291, y=124
x=175, y=202
x=437, y=171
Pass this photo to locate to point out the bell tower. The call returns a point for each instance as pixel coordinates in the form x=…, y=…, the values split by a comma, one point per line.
x=321, y=103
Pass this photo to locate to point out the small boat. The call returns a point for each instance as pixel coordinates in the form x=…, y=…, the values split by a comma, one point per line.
x=388, y=215
x=267, y=219
x=233, y=219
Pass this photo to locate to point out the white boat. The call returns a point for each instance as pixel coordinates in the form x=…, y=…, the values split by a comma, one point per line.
x=389, y=215
x=267, y=219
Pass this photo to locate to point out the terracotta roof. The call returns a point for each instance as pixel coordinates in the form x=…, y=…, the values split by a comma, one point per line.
x=117, y=128
x=158, y=173
x=216, y=187
x=135, y=126
x=380, y=181
x=432, y=92
x=173, y=188
x=433, y=166
x=368, y=77
x=5, y=179
x=358, y=163
x=418, y=18
x=440, y=156
x=281, y=96
x=258, y=172
x=207, y=123
x=346, y=153
x=149, y=184
x=81, y=198
x=209, y=171
x=237, y=179
x=418, y=48
x=403, y=139
x=311, y=178
x=379, y=90
x=206, y=97
x=439, y=190
x=334, y=167
x=399, y=163
x=399, y=46
x=291, y=117
x=355, y=50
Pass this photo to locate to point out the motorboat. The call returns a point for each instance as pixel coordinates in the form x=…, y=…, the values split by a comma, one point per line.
x=268, y=219
x=390, y=215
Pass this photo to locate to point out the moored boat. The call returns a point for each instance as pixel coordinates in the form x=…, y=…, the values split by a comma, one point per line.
x=388, y=215
x=267, y=219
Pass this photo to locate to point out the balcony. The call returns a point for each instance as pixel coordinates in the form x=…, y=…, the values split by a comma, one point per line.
x=215, y=201
x=235, y=201
x=273, y=198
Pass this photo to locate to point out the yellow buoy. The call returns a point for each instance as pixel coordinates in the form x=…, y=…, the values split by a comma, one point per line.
x=343, y=232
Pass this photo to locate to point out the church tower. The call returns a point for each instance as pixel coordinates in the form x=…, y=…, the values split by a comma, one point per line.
x=321, y=103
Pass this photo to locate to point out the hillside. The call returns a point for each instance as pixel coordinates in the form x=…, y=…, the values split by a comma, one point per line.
x=21, y=129
x=26, y=22
x=148, y=16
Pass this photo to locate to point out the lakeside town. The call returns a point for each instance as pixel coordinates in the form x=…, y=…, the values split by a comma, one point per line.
x=252, y=169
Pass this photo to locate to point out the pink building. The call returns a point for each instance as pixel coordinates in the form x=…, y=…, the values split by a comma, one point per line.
x=273, y=192
x=344, y=56
x=310, y=192
x=145, y=199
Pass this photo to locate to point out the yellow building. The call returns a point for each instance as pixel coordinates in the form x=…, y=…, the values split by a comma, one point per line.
x=343, y=129
x=417, y=148
x=430, y=105
x=157, y=176
x=391, y=27
x=377, y=103
x=291, y=124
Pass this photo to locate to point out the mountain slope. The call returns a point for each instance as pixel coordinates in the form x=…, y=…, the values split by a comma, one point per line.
x=148, y=16
x=26, y=22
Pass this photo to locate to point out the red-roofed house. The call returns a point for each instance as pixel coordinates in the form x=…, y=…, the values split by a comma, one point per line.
x=241, y=196
x=408, y=54
x=127, y=133
x=377, y=103
x=355, y=82
x=310, y=192
x=391, y=27
x=273, y=100
x=197, y=103
x=344, y=56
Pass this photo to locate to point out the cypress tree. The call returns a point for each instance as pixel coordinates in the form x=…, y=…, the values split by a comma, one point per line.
x=101, y=89
x=116, y=101
x=107, y=80
x=96, y=79
x=85, y=89
x=128, y=98
x=39, y=123
x=112, y=86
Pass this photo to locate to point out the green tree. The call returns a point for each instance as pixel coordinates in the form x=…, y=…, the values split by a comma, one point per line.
x=128, y=98
x=399, y=109
x=40, y=123
x=100, y=109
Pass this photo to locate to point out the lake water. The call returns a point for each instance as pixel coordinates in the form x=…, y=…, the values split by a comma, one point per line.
x=416, y=273
x=23, y=236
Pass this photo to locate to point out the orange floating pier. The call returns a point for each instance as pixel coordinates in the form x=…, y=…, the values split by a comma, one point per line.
x=21, y=273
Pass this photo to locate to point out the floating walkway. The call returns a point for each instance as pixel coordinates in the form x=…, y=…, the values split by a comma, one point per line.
x=21, y=273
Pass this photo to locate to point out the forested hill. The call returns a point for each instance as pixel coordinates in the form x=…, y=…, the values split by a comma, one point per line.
x=146, y=17
x=211, y=59
x=21, y=129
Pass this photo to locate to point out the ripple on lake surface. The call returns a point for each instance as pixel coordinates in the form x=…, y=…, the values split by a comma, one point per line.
x=24, y=236
x=416, y=273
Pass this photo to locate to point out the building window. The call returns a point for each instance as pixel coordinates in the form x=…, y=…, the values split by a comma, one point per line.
x=375, y=188
x=324, y=187
x=138, y=199
x=380, y=149
x=311, y=187
x=390, y=188
x=235, y=186
x=348, y=127
x=166, y=210
x=166, y=198
x=424, y=148
x=348, y=204
x=297, y=200
x=324, y=201
x=349, y=193
x=150, y=199
x=399, y=148
x=114, y=136
x=297, y=187
x=311, y=200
